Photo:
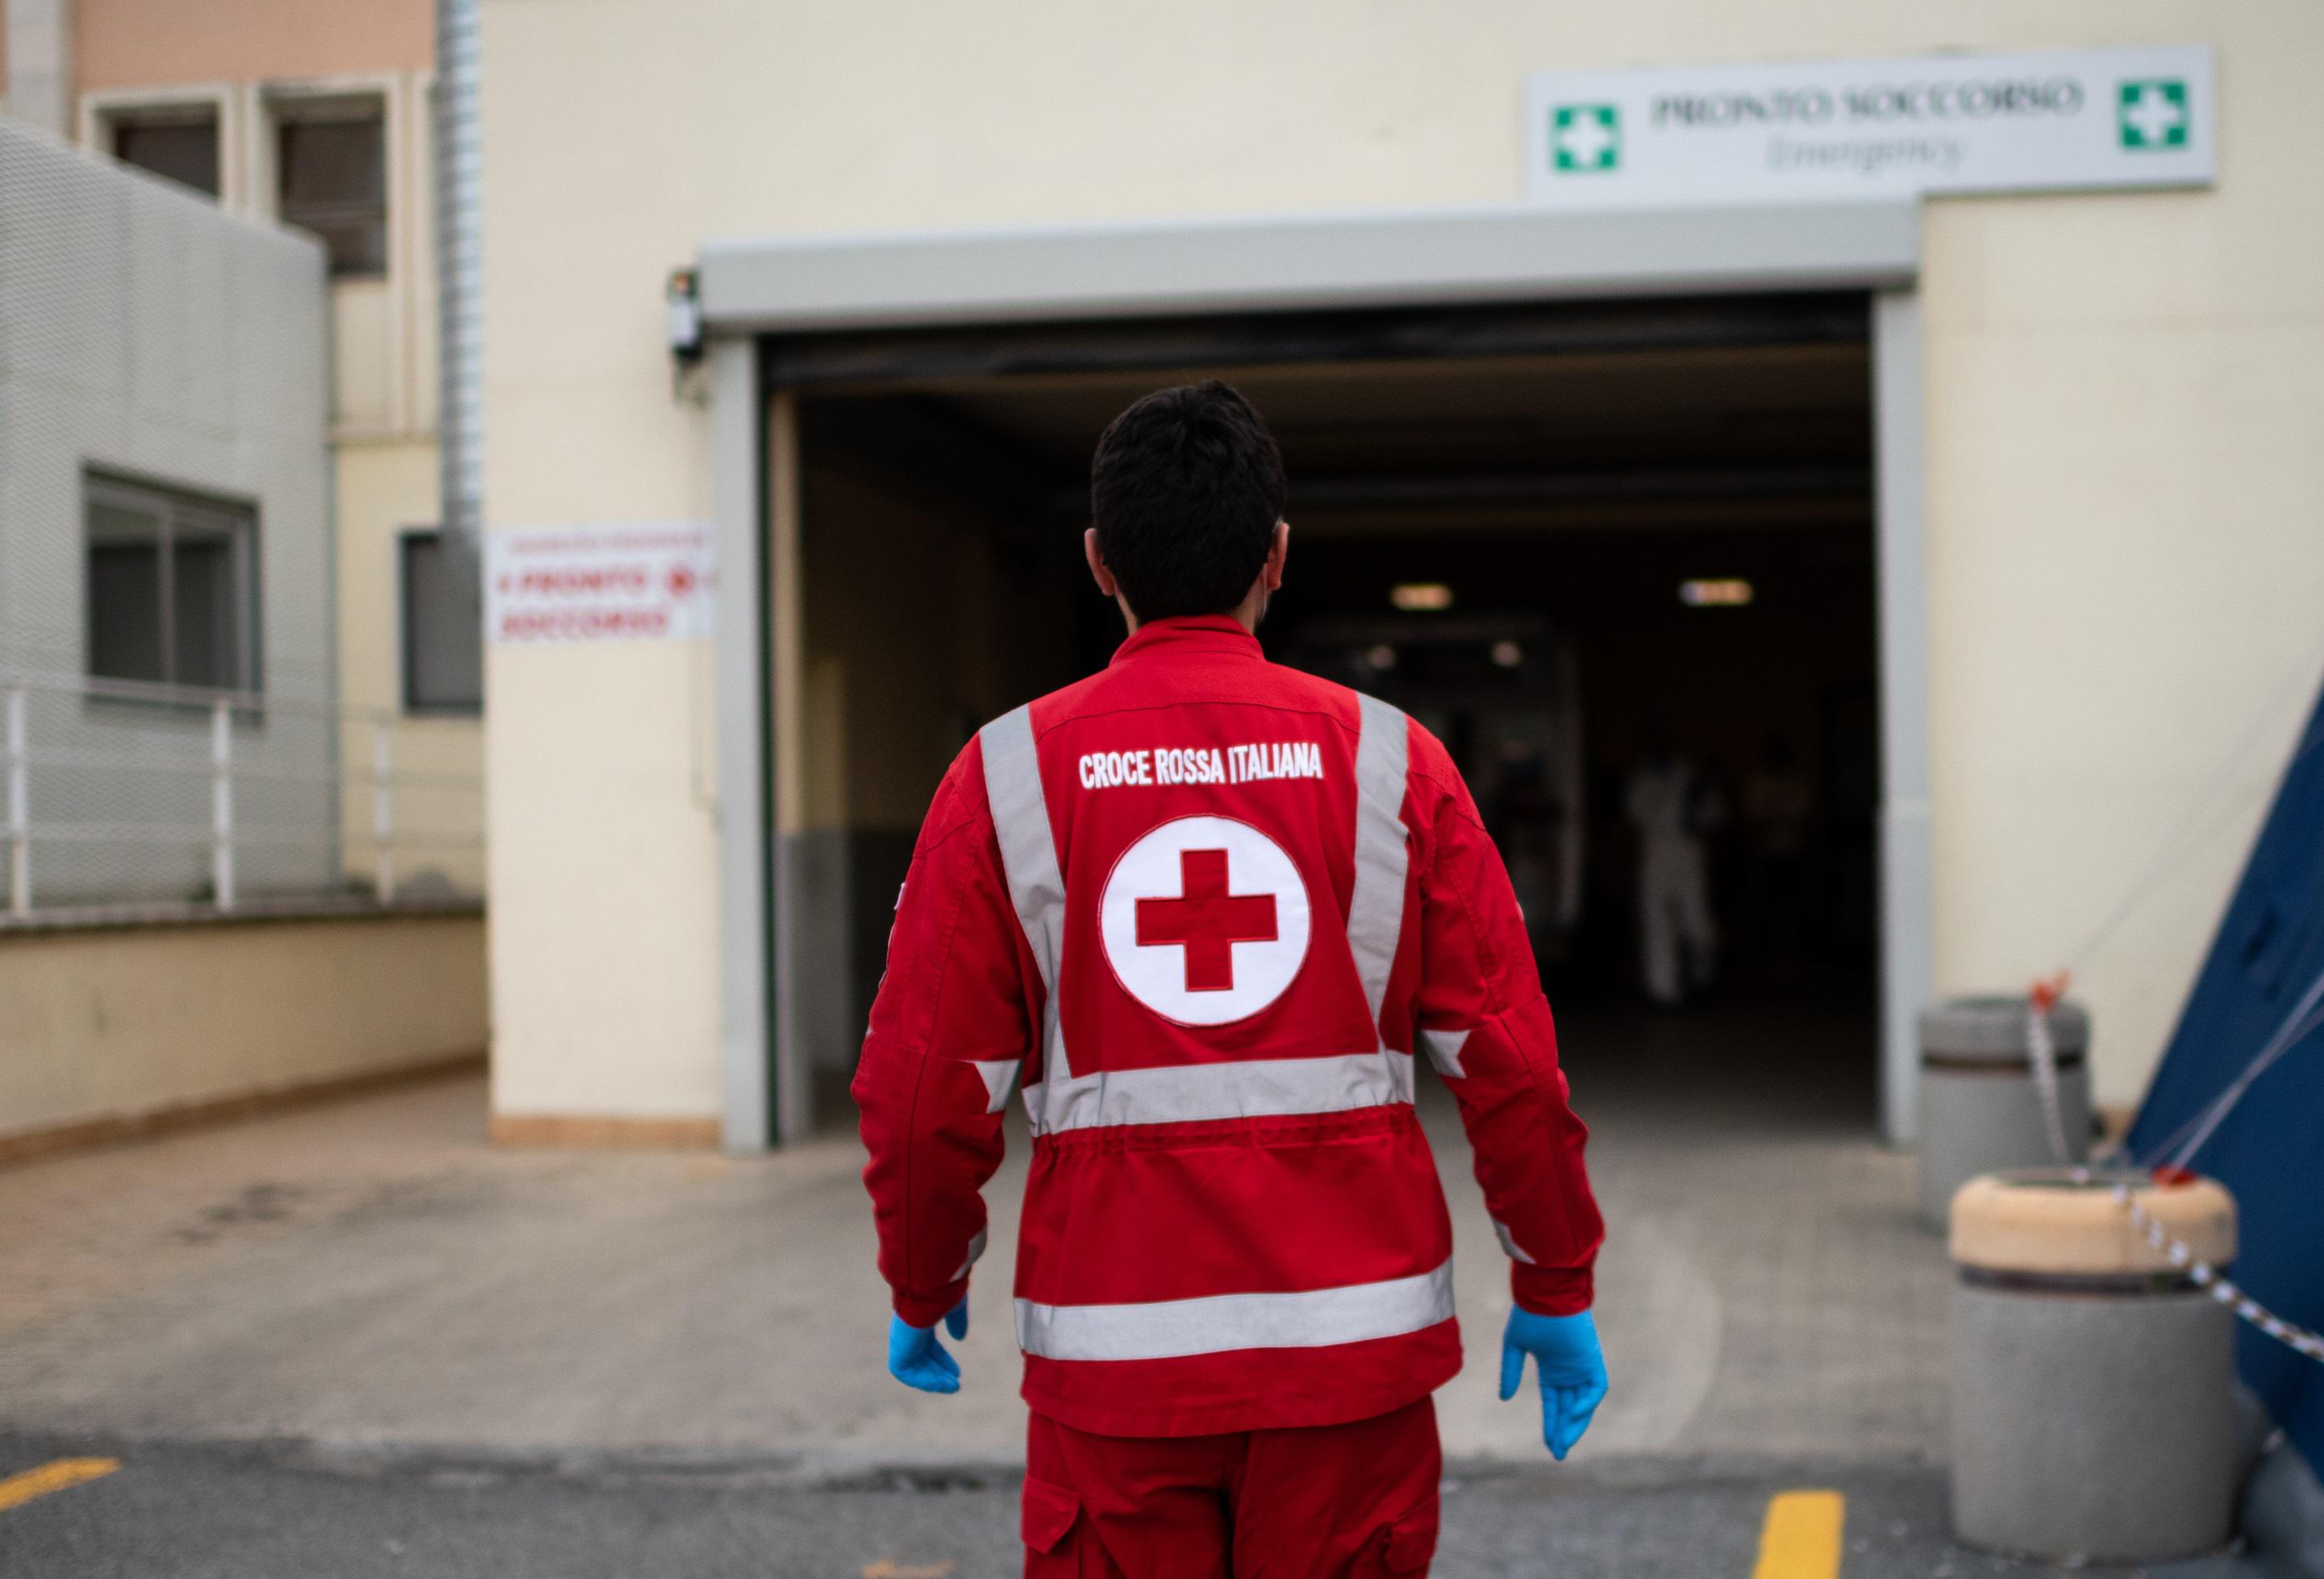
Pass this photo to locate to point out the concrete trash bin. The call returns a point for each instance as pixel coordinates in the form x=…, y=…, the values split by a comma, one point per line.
x=1979, y=1111
x=2093, y=1384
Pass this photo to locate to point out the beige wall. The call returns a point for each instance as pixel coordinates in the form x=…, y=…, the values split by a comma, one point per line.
x=2123, y=489
x=123, y=1023
x=605, y=950
x=2126, y=555
x=385, y=488
x=140, y=43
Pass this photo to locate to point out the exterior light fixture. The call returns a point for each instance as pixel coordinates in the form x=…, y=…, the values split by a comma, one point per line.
x=1729, y=592
x=682, y=296
x=1381, y=657
x=1421, y=597
x=1508, y=654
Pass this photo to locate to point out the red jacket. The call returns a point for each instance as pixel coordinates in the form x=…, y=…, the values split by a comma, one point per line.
x=1204, y=908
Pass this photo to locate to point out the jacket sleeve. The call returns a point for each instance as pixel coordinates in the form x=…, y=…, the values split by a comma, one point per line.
x=949, y=1027
x=1483, y=1021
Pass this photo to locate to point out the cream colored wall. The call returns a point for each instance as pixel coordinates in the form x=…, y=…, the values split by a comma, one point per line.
x=385, y=488
x=2122, y=501
x=600, y=829
x=2126, y=546
x=605, y=939
x=121, y=1023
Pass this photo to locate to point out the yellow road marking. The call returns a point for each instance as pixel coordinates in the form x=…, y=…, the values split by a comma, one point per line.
x=54, y=1476
x=1801, y=1539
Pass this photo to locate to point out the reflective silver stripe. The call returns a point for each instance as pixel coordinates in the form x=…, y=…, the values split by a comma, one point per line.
x=1185, y=1093
x=975, y=1249
x=1443, y=1048
x=1028, y=856
x=999, y=1076
x=1166, y=1328
x=1376, y=906
x=1509, y=1243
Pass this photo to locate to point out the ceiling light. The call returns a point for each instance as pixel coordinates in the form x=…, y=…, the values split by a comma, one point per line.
x=1381, y=657
x=1421, y=597
x=1729, y=592
x=1508, y=654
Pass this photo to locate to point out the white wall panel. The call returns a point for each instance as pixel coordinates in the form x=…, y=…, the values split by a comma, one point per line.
x=146, y=334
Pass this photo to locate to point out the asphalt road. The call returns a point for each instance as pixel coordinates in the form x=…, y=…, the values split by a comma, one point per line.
x=275, y=1510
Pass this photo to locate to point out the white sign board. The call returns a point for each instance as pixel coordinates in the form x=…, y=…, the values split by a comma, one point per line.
x=1826, y=130
x=646, y=581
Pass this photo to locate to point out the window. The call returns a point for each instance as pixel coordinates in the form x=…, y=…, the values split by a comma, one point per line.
x=443, y=624
x=172, y=587
x=332, y=180
x=181, y=145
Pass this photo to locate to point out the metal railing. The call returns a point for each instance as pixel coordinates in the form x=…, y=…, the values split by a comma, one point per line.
x=122, y=791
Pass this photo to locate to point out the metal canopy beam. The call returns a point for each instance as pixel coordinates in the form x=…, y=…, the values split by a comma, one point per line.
x=1268, y=264
x=865, y=358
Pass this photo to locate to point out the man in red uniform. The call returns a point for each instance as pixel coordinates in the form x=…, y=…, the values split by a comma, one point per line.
x=1204, y=911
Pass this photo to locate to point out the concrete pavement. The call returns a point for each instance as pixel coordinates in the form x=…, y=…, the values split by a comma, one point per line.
x=291, y=1511
x=359, y=1340
x=374, y=1272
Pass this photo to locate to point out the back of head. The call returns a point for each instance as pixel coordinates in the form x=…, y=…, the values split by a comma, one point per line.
x=1184, y=493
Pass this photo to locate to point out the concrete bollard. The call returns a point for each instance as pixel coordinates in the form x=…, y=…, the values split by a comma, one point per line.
x=2093, y=1385
x=1979, y=1111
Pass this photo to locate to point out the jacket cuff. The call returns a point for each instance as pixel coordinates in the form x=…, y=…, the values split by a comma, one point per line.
x=924, y=1310
x=1551, y=1291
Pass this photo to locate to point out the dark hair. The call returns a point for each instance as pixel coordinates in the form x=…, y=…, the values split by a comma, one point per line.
x=1184, y=493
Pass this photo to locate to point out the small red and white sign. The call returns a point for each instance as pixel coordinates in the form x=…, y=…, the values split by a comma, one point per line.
x=638, y=581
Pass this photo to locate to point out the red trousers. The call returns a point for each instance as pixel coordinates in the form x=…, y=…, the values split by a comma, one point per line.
x=1308, y=1502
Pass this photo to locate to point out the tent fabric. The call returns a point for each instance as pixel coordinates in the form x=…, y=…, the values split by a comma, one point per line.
x=2270, y=1149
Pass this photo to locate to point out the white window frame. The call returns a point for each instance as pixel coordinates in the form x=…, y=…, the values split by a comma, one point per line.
x=131, y=491
x=102, y=112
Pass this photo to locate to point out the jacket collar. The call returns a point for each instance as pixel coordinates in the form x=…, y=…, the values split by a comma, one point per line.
x=1195, y=633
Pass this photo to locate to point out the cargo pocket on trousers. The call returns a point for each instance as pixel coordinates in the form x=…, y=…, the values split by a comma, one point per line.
x=1047, y=1522
x=1411, y=1540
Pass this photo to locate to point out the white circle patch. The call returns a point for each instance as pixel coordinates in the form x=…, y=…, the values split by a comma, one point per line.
x=1204, y=921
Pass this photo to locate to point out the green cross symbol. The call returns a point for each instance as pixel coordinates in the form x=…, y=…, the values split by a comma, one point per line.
x=2153, y=114
x=1585, y=136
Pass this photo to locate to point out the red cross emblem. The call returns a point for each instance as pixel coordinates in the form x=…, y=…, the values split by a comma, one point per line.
x=1206, y=921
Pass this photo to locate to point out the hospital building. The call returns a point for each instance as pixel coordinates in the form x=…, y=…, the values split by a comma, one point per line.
x=1908, y=415
x=1978, y=349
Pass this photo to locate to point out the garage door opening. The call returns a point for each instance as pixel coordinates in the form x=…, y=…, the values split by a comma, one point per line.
x=1620, y=559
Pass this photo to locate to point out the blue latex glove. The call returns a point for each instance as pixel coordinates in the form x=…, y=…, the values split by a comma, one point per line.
x=916, y=1359
x=1565, y=1350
